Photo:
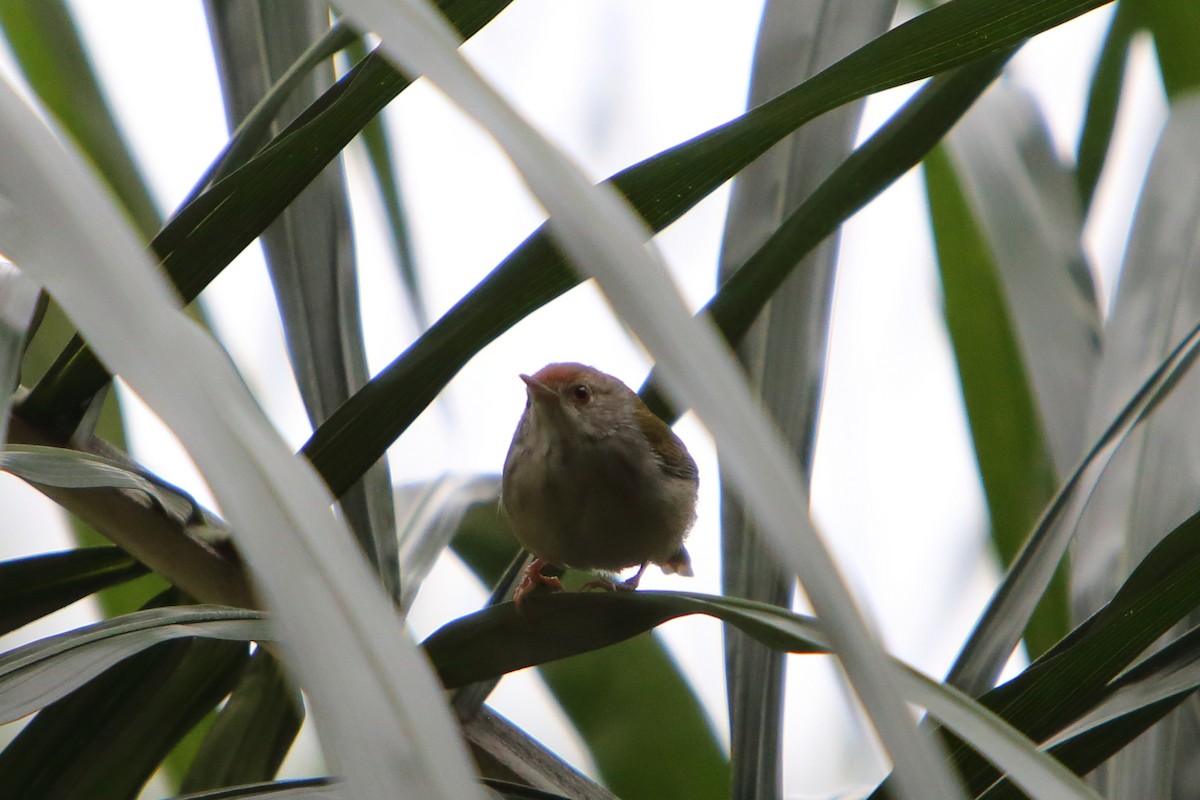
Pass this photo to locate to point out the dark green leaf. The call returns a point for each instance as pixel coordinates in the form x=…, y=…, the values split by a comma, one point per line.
x=1104, y=96
x=253, y=731
x=661, y=189
x=31, y=588
x=105, y=740
x=998, y=629
x=304, y=789
x=309, y=249
x=889, y=153
x=46, y=670
x=203, y=237
x=1176, y=26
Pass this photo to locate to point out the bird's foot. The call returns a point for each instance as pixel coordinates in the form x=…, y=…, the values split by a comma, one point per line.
x=532, y=579
x=625, y=585
x=599, y=583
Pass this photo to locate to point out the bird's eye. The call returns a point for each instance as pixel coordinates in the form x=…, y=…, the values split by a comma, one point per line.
x=581, y=393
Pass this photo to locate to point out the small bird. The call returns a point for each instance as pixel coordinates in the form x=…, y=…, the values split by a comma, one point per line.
x=595, y=481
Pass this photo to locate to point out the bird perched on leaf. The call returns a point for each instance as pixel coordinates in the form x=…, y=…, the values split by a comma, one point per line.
x=595, y=481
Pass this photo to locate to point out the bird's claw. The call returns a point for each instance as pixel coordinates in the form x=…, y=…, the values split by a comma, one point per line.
x=532, y=579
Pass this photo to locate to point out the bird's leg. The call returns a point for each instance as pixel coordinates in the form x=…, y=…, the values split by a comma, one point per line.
x=533, y=578
x=633, y=582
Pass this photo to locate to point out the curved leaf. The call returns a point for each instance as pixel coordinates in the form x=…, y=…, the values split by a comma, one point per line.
x=345, y=641
x=1151, y=485
x=74, y=469
x=105, y=739
x=304, y=789
x=553, y=626
x=999, y=628
x=43, y=671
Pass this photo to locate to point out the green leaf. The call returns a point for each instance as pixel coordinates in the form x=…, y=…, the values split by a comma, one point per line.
x=998, y=629
x=1150, y=485
x=74, y=469
x=204, y=236
x=253, y=731
x=42, y=36
x=31, y=588
x=1104, y=96
x=309, y=249
x=1024, y=201
x=1018, y=477
x=785, y=354
x=1075, y=675
x=106, y=738
x=304, y=789
x=1175, y=25
x=661, y=189
x=349, y=649
x=46, y=670
x=551, y=627
x=257, y=122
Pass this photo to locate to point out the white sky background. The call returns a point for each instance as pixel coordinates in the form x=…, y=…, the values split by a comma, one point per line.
x=895, y=492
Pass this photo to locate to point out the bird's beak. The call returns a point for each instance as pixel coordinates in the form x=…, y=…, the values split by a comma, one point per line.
x=539, y=391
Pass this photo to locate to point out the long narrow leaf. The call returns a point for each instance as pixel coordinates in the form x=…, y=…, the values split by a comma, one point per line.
x=345, y=641
x=309, y=249
x=73, y=469
x=43, y=671
x=1024, y=200
x=31, y=588
x=998, y=629
x=1104, y=96
x=1151, y=485
x=253, y=731
x=785, y=356
x=661, y=189
x=106, y=739
x=550, y=626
